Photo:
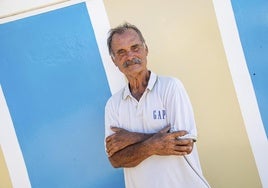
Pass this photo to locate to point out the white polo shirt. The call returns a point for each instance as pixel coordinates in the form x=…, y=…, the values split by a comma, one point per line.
x=164, y=102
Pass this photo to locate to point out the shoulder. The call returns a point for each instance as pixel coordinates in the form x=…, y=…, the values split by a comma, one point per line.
x=115, y=98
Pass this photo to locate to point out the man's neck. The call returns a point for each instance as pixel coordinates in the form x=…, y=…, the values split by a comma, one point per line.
x=138, y=84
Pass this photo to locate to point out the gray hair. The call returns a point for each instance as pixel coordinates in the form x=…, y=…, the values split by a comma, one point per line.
x=119, y=30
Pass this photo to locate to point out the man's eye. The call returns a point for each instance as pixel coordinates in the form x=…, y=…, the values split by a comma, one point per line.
x=121, y=53
x=135, y=48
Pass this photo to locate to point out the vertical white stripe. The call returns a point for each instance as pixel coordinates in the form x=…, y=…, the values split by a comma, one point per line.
x=243, y=85
x=101, y=27
x=11, y=149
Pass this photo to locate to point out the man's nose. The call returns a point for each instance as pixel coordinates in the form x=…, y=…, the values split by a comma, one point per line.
x=129, y=54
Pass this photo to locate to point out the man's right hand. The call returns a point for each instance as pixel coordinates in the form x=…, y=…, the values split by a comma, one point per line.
x=166, y=143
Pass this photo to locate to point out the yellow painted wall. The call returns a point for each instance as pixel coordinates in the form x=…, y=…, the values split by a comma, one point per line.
x=4, y=175
x=184, y=41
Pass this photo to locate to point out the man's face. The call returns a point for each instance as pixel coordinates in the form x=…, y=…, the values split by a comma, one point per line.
x=129, y=53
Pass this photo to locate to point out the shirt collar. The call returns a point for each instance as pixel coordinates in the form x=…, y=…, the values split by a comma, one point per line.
x=151, y=83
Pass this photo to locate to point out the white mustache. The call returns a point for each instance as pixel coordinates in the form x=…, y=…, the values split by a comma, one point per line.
x=131, y=62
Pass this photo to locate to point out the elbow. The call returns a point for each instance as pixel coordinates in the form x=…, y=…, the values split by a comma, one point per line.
x=114, y=163
x=116, y=166
x=120, y=164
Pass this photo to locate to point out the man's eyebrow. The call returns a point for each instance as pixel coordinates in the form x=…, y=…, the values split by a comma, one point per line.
x=135, y=45
x=120, y=50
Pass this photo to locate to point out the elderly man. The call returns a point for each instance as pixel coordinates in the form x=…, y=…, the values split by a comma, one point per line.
x=149, y=124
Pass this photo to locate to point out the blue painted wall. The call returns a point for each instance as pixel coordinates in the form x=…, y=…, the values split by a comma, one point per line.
x=56, y=89
x=252, y=22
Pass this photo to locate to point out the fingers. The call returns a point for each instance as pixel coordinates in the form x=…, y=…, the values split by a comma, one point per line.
x=110, y=152
x=179, y=133
x=183, y=142
x=109, y=138
x=116, y=129
x=183, y=150
x=111, y=147
x=185, y=145
x=176, y=149
x=165, y=129
x=116, y=141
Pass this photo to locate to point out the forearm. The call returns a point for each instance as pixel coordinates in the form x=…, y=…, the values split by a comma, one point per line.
x=131, y=156
x=122, y=139
x=135, y=137
x=161, y=143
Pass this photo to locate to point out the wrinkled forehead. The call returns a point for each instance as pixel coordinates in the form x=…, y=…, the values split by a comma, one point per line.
x=128, y=36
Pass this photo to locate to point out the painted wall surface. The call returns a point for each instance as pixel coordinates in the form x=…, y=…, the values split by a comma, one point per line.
x=56, y=75
x=252, y=22
x=55, y=87
x=184, y=41
x=4, y=175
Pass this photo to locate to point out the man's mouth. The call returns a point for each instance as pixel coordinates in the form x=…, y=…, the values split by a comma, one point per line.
x=131, y=62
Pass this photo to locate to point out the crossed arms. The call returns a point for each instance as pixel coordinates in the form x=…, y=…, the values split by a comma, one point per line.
x=128, y=149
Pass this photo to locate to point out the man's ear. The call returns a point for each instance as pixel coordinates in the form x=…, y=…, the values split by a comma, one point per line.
x=146, y=48
x=112, y=57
